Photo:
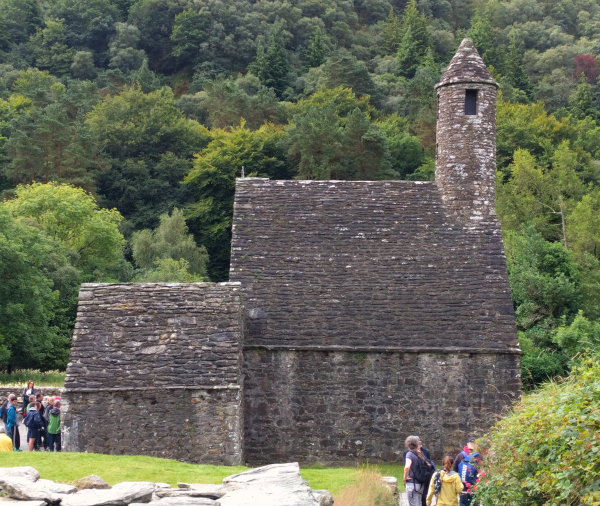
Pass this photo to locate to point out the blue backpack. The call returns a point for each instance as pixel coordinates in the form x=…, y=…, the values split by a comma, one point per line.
x=467, y=470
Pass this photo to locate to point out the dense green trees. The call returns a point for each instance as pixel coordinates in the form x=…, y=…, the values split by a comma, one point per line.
x=156, y=105
x=52, y=238
x=212, y=182
x=149, y=145
x=152, y=249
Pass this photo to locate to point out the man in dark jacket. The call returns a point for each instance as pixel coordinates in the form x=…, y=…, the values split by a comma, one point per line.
x=33, y=422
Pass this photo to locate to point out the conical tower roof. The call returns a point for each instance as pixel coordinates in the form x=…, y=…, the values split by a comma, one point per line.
x=466, y=67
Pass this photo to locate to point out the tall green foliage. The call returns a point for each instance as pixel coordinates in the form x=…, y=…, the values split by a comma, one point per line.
x=149, y=145
x=52, y=237
x=212, y=182
x=515, y=72
x=27, y=300
x=414, y=41
x=272, y=64
x=49, y=139
x=316, y=53
x=170, y=240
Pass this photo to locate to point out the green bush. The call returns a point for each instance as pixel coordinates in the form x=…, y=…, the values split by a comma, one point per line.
x=546, y=452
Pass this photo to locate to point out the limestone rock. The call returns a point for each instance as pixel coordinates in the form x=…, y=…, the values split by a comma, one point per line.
x=211, y=494
x=26, y=490
x=274, y=485
x=55, y=488
x=323, y=497
x=181, y=501
x=91, y=482
x=5, y=501
x=391, y=483
x=121, y=494
x=23, y=472
x=162, y=485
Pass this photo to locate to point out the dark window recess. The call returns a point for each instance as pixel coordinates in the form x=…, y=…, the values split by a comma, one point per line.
x=470, y=102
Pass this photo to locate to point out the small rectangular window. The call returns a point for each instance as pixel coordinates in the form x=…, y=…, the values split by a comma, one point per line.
x=470, y=102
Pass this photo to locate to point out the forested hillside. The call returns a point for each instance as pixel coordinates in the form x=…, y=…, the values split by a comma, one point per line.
x=149, y=109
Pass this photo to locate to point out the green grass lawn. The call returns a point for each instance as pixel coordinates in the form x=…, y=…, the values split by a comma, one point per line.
x=41, y=379
x=66, y=467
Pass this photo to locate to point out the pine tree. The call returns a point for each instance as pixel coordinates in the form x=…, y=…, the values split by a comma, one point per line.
x=482, y=35
x=514, y=71
x=581, y=102
x=391, y=33
x=272, y=66
x=414, y=42
x=315, y=55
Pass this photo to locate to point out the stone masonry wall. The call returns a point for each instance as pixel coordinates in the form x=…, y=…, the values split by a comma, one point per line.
x=155, y=370
x=340, y=408
x=466, y=152
x=191, y=425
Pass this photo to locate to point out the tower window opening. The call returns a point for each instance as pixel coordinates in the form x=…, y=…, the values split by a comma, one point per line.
x=470, y=102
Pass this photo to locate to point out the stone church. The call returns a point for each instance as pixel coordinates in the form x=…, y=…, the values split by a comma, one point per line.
x=357, y=313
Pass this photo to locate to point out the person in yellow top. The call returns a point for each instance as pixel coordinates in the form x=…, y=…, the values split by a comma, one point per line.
x=5, y=442
x=450, y=482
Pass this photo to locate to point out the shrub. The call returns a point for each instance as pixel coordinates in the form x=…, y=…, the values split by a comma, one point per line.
x=546, y=452
x=368, y=491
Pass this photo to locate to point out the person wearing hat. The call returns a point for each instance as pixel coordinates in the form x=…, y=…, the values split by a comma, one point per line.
x=467, y=449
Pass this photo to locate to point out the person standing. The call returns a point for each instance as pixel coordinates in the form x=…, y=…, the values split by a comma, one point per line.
x=42, y=439
x=468, y=472
x=466, y=451
x=30, y=403
x=445, y=485
x=4, y=410
x=12, y=423
x=28, y=391
x=33, y=422
x=54, y=438
x=417, y=470
x=427, y=456
x=5, y=442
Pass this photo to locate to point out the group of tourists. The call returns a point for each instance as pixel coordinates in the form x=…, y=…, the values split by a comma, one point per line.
x=41, y=417
x=452, y=485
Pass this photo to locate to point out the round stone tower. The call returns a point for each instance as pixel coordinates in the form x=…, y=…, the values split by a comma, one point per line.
x=466, y=137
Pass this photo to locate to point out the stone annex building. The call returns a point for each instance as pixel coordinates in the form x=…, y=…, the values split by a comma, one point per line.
x=357, y=313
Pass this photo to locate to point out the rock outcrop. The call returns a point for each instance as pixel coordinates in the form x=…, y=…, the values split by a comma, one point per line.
x=273, y=485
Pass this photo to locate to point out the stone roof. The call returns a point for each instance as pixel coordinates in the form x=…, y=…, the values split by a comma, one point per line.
x=371, y=264
x=156, y=335
x=466, y=67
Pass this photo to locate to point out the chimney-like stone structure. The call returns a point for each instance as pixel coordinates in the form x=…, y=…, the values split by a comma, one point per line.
x=466, y=137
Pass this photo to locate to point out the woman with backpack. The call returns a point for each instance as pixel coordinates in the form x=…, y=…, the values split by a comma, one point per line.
x=417, y=471
x=445, y=485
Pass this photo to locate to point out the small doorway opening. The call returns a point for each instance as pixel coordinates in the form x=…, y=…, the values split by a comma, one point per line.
x=470, y=102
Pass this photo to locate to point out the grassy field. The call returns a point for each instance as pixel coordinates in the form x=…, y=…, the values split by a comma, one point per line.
x=41, y=379
x=65, y=467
